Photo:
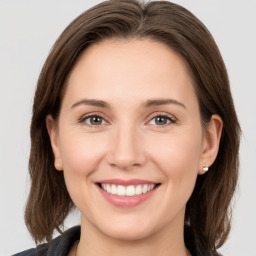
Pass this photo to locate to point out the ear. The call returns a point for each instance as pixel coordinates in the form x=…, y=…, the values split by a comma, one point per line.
x=53, y=134
x=210, y=145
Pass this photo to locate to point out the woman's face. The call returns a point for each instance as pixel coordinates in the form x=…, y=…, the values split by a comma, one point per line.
x=129, y=124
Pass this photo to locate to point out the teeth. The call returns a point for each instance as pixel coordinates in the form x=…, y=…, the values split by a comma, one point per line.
x=120, y=190
x=113, y=190
x=145, y=189
x=129, y=190
x=138, y=190
x=108, y=188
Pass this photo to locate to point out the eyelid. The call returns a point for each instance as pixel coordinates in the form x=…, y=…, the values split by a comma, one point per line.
x=172, y=118
x=82, y=118
x=91, y=114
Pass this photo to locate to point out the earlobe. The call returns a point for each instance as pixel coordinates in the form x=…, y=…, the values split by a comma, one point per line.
x=210, y=148
x=53, y=135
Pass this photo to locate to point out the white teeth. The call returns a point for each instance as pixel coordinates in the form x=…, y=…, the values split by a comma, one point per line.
x=113, y=190
x=138, y=190
x=130, y=190
x=120, y=190
x=145, y=188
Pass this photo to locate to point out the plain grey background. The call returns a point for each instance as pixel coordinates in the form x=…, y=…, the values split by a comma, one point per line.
x=29, y=28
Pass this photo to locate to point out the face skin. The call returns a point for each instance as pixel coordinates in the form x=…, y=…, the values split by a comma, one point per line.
x=133, y=83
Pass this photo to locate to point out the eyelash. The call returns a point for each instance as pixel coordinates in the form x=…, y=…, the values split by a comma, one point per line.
x=83, y=119
x=170, y=119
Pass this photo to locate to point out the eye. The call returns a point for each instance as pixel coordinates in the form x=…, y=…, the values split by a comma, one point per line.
x=94, y=120
x=161, y=120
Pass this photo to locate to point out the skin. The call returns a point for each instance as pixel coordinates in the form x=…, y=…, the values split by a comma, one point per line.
x=130, y=144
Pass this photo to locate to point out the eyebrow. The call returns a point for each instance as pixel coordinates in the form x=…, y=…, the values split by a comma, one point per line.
x=147, y=104
x=158, y=102
x=91, y=102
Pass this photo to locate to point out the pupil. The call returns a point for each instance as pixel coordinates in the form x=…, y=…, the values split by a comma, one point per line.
x=161, y=120
x=95, y=120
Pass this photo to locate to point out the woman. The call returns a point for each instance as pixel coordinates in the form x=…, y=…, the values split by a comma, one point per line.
x=134, y=124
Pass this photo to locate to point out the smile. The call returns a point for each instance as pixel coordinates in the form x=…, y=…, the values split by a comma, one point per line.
x=127, y=193
x=130, y=190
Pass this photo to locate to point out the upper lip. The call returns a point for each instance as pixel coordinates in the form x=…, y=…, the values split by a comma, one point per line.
x=126, y=182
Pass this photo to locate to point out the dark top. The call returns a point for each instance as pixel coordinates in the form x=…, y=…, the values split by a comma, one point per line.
x=61, y=245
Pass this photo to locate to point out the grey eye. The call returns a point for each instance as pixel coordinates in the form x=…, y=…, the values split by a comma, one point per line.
x=94, y=120
x=161, y=120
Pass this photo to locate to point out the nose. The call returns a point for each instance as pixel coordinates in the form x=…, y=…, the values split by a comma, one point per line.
x=126, y=150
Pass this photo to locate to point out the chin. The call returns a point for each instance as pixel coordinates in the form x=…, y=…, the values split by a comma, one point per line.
x=128, y=232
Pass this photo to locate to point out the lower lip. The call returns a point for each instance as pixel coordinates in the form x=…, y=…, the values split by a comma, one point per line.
x=126, y=201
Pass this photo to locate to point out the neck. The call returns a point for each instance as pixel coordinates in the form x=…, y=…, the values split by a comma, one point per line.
x=169, y=241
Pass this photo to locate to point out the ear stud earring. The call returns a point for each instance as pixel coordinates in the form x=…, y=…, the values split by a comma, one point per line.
x=58, y=166
x=205, y=168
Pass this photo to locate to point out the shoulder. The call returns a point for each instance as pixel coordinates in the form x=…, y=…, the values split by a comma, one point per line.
x=30, y=252
x=59, y=246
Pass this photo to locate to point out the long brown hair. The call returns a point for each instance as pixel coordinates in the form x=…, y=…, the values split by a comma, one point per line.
x=207, y=213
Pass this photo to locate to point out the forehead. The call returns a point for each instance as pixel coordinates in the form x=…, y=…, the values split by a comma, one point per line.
x=126, y=69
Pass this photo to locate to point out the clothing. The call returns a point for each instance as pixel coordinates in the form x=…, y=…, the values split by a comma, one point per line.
x=61, y=245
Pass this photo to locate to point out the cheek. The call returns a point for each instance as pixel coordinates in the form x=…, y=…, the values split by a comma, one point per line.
x=177, y=157
x=178, y=162
x=80, y=153
x=178, y=153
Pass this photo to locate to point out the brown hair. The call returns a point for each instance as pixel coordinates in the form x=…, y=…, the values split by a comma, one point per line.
x=207, y=212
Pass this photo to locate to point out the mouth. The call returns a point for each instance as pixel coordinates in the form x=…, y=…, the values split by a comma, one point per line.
x=127, y=193
x=130, y=190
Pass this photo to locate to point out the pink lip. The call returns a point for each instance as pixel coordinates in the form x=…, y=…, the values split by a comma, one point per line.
x=126, y=201
x=126, y=182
